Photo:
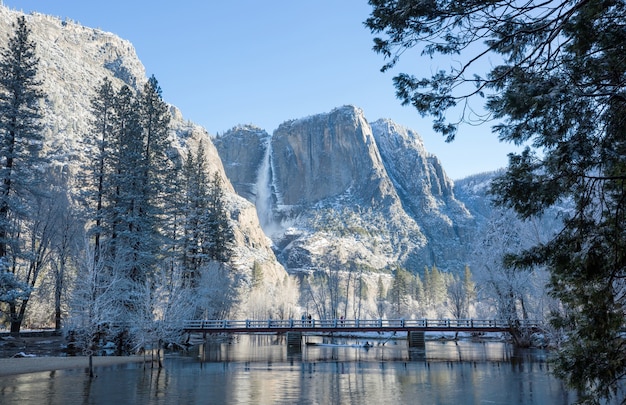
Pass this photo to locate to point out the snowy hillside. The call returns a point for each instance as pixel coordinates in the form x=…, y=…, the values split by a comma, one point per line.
x=73, y=61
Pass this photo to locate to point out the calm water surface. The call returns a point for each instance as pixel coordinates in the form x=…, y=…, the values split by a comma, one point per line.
x=262, y=370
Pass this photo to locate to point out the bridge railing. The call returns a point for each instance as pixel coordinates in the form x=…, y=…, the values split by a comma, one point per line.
x=358, y=323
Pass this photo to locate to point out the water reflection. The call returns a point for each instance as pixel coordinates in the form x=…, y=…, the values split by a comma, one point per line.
x=262, y=370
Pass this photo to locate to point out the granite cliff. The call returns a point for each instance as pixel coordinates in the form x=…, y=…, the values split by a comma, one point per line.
x=335, y=182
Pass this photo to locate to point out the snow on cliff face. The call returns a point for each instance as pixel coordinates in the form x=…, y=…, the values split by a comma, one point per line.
x=73, y=61
x=325, y=182
x=338, y=183
x=426, y=192
x=325, y=155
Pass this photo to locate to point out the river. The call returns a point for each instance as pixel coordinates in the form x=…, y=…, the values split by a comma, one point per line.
x=263, y=370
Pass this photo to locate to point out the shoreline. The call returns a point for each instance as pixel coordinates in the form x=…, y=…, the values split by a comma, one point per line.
x=25, y=365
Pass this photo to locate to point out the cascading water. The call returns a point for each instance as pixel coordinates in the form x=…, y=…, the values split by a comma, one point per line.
x=264, y=205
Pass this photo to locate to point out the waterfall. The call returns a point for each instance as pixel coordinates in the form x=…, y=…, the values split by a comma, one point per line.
x=264, y=206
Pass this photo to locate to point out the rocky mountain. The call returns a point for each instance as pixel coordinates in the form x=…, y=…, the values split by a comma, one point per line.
x=328, y=188
x=335, y=185
x=73, y=61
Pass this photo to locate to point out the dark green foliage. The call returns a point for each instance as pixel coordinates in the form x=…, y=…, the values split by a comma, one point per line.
x=220, y=232
x=124, y=188
x=21, y=167
x=207, y=234
x=256, y=279
x=558, y=87
x=400, y=291
x=97, y=170
x=20, y=131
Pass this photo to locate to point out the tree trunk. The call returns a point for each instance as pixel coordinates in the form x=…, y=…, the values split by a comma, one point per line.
x=57, y=318
x=16, y=325
x=16, y=320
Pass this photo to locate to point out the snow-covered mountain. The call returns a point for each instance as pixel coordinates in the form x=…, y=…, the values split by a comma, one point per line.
x=73, y=61
x=333, y=183
x=328, y=187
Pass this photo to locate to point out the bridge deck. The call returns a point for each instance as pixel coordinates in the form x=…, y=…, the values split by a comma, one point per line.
x=354, y=325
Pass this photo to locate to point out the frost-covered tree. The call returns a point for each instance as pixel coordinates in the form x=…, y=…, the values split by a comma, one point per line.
x=21, y=161
x=399, y=294
x=277, y=300
x=461, y=294
x=95, y=301
x=132, y=216
x=360, y=289
x=553, y=74
x=435, y=291
x=154, y=120
x=380, y=297
x=97, y=173
x=130, y=225
x=62, y=260
x=126, y=191
x=505, y=292
x=220, y=231
x=285, y=297
x=218, y=291
x=196, y=239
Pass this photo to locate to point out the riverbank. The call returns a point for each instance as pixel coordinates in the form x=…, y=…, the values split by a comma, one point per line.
x=25, y=365
x=34, y=353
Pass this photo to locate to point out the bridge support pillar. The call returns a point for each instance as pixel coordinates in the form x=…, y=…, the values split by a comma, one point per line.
x=294, y=339
x=416, y=339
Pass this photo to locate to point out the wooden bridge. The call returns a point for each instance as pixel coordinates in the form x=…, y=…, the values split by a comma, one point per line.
x=415, y=328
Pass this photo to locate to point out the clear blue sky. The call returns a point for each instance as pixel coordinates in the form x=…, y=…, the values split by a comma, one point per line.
x=233, y=62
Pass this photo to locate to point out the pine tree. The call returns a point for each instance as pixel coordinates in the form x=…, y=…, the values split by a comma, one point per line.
x=155, y=121
x=380, y=297
x=196, y=241
x=469, y=287
x=129, y=225
x=220, y=231
x=428, y=294
x=257, y=275
x=128, y=194
x=20, y=145
x=400, y=291
x=418, y=289
x=98, y=178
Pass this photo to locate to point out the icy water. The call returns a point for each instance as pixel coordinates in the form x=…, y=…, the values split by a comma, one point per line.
x=262, y=370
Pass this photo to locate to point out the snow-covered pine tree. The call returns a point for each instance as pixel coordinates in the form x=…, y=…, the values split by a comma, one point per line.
x=98, y=171
x=21, y=141
x=129, y=199
x=155, y=120
x=196, y=214
x=127, y=192
x=220, y=232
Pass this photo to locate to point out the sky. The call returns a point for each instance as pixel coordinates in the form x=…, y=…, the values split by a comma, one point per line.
x=224, y=63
